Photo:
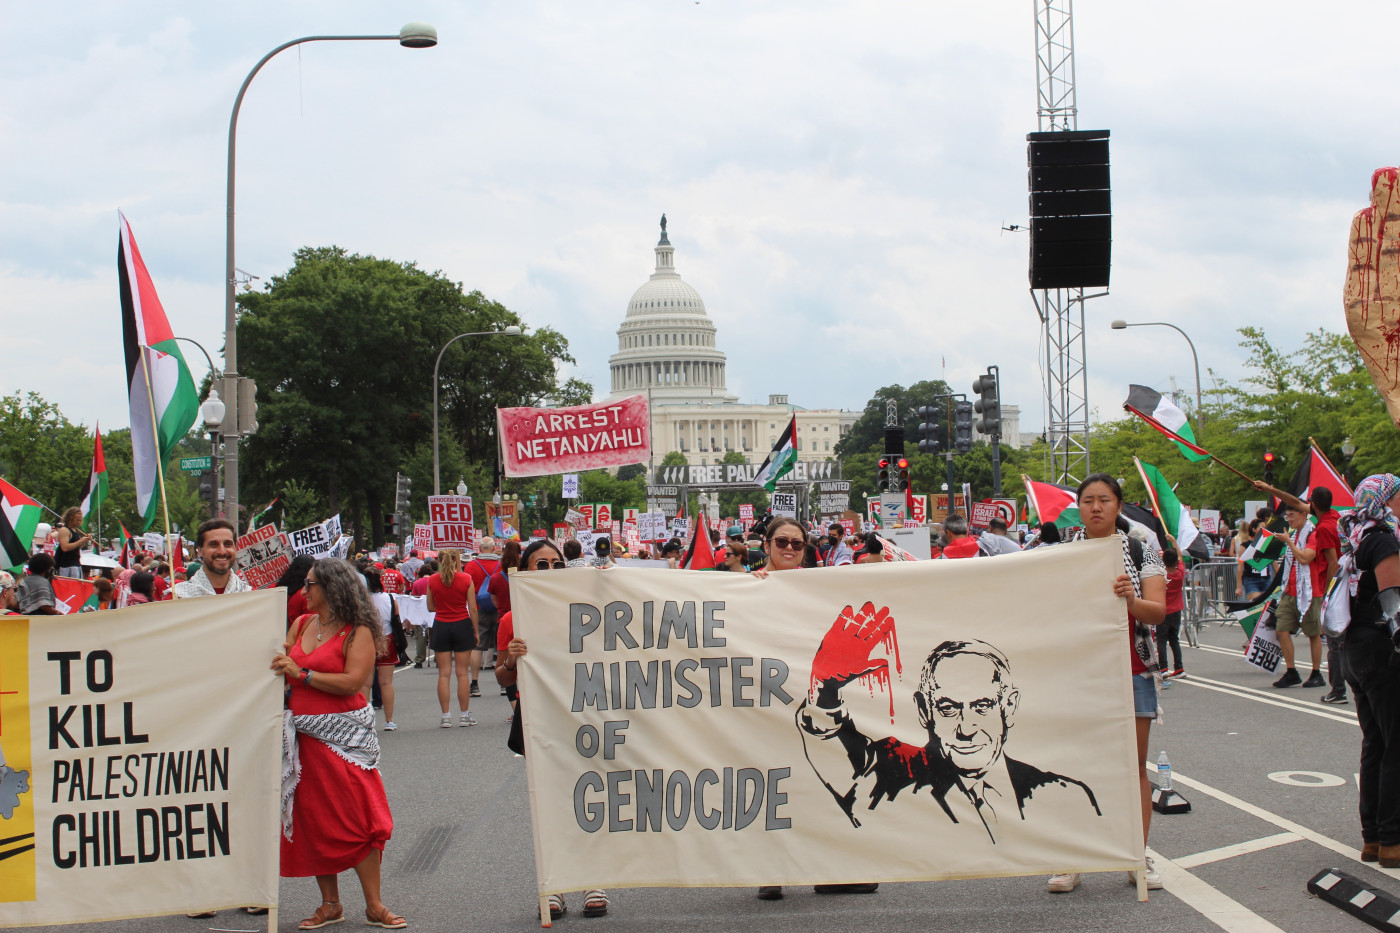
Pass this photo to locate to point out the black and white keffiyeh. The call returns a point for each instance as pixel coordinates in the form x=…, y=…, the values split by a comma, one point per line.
x=350, y=735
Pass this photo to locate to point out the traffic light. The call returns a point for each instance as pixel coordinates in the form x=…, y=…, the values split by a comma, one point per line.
x=929, y=430
x=1269, y=466
x=962, y=427
x=402, y=489
x=988, y=405
x=247, y=406
x=209, y=490
x=903, y=475
x=883, y=478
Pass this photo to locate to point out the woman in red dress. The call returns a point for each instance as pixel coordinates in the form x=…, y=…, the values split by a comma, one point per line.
x=335, y=815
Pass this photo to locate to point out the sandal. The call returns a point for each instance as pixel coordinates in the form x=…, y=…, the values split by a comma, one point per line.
x=255, y=911
x=557, y=907
x=595, y=903
x=329, y=912
x=385, y=918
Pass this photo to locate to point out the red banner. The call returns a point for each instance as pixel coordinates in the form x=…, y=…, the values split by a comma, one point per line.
x=542, y=441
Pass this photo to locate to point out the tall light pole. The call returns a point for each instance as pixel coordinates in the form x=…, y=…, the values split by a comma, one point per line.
x=512, y=330
x=1200, y=412
x=412, y=36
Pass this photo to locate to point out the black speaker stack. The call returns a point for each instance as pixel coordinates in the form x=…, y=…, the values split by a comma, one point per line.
x=1071, y=219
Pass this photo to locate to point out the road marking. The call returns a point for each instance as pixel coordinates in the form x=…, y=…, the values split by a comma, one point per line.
x=1239, y=848
x=1210, y=902
x=1238, y=692
x=1313, y=778
x=1273, y=693
x=1352, y=852
x=1240, y=654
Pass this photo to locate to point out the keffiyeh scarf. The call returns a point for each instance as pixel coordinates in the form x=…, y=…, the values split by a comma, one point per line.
x=1304, y=586
x=350, y=735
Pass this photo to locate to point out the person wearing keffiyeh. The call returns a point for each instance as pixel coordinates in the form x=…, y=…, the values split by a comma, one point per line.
x=1371, y=560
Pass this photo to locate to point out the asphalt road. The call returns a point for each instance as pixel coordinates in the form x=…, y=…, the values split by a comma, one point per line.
x=1270, y=775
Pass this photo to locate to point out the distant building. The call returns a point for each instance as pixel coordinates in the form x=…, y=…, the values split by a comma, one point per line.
x=667, y=349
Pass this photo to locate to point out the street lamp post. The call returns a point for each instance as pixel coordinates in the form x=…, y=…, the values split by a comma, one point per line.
x=512, y=330
x=1200, y=412
x=412, y=36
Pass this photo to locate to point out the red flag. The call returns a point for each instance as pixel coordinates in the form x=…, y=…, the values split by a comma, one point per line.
x=701, y=554
x=72, y=595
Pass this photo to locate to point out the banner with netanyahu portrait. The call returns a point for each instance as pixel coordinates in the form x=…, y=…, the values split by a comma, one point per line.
x=880, y=722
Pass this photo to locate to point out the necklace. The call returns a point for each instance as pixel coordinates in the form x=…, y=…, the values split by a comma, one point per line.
x=321, y=629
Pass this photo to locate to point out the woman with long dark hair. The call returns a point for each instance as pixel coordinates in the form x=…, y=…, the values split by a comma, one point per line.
x=335, y=814
x=294, y=579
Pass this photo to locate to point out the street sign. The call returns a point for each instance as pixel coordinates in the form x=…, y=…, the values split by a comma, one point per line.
x=196, y=464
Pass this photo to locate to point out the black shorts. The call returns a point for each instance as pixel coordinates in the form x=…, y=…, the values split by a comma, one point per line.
x=453, y=636
x=488, y=624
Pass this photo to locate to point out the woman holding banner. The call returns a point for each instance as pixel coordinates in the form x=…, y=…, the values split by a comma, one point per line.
x=541, y=554
x=1143, y=587
x=335, y=814
x=455, y=635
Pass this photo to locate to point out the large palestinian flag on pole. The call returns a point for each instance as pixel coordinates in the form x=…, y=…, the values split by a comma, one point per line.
x=1176, y=518
x=19, y=516
x=96, y=492
x=1317, y=472
x=1161, y=412
x=163, y=400
x=781, y=459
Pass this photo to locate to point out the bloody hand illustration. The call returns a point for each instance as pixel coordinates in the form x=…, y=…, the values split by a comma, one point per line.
x=1371, y=295
x=844, y=654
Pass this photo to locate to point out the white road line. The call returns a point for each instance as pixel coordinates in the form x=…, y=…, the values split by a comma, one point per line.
x=1352, y=852
x=1231, y=690
x=1239, y=848
x=1212, y=903
x=1237, y=653
x=1273, y=693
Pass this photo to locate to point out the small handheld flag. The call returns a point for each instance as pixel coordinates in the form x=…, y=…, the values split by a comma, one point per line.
x=781, y=459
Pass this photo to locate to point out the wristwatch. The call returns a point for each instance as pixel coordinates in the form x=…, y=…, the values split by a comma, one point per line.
x=306, y=675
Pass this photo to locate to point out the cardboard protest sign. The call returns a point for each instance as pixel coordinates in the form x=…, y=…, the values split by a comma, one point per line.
x=586, y=510
x=503, y=519
x=451, y=521
x=422, y=537
x=541, y=441
x=785, y=503
x=918, y=514
x=675, y=736
x=570, y=486
x=262, y=556
x=746, y=512
x=317, y=540
x=602, y=515
x=1264, y=651
x=126, y=791
x=576, y=519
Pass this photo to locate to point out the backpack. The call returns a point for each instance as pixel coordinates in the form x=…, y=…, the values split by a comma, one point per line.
x=484, y=600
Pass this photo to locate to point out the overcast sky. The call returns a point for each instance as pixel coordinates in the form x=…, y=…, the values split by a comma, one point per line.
x=836, y=174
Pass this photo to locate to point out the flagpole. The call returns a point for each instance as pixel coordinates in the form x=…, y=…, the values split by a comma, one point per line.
x=155, y=432
x=1030, y=494
x=1340, y=474
x=1151, y=492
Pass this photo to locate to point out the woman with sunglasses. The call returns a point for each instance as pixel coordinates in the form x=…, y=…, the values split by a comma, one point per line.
x=539, y=555
x=335, y=814
x=785, y=543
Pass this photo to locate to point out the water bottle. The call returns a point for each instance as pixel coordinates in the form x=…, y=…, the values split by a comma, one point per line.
x=1164, y=772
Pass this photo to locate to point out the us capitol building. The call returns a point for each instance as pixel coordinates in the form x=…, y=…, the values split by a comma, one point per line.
x=666, y=348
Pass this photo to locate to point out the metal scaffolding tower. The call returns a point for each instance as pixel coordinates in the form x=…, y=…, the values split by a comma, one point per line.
x=1061, y=310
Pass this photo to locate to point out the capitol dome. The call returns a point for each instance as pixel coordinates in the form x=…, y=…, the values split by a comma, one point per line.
x=666, y=344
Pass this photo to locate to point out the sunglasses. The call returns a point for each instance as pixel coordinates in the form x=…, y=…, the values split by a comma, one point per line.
x=311, y=582
x=790, y=544
x=545, y=564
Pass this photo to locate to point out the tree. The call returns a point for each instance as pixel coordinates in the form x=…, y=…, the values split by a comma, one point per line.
x=869, y=429
x=343, y=347
x=674, y=458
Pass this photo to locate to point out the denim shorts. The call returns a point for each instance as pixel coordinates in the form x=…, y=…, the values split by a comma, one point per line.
x=1145, y=696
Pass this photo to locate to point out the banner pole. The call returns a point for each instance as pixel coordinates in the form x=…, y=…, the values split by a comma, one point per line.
x=155, y=432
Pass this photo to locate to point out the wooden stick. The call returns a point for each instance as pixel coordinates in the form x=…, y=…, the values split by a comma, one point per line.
x=1246, y=478
x=1030, y=494
x=1151, y=492
x=272, y=919
x=546, y=921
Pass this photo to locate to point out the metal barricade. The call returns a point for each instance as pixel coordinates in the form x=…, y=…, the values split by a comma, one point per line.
x=1208, y=587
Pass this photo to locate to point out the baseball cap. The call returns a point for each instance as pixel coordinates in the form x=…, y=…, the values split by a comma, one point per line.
x=734, y=531
x=6, y=581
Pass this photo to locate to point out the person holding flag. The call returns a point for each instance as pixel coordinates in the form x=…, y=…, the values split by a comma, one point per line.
x=68, y=554
x=1297, y=609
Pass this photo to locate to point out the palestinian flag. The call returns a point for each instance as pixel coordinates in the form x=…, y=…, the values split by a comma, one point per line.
x=19, y=517
x=128, y=546
x=257, y=520
x=701, y=554
x=781, y=459
x=1264, y=550
x=160, y=390
x=1052, y=503
x=1161, y=413
x=1261, y=610
x=73, y=595
x=1174, y=516
x=96, y=492
x=1317, y=472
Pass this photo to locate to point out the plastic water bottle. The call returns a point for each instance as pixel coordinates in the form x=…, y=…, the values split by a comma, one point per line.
x=1164, y=772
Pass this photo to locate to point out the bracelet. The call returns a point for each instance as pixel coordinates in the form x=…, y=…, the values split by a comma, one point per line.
x=306, y=675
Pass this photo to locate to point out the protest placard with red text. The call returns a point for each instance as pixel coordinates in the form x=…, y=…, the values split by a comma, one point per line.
x=541, y=441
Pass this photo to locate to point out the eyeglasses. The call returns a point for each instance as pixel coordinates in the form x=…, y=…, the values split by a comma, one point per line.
x=545, y=564
x=311, y=582
x=790, y=544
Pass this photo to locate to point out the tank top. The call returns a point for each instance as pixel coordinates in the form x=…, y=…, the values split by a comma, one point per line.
x=73, y=558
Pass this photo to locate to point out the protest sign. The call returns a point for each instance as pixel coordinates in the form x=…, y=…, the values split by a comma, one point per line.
x=833, y=497
x=672, y=740
x=918, y=512
x=317, y=540
x=570, y=485
x=451, y=521
x=615, y=529
x=785, y=503
x=562, y=531
x=422, y=537
x=126, y=791
x=540, y=441
x=342, y=547
x=630, y=515
x=602, y=515
x=584, y=537
x=680, y=528
x=153, y=542
x=1264, y=651
x=1210, y=520
x=746, y=512
x=663, y=499
x=503, y=519
x=262, y=556
x=576, y=519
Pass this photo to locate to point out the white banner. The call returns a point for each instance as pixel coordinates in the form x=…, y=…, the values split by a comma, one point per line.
x=317, y=540
x=139, y=766
x=570, y=485
x=785, y=503
x=672, y=739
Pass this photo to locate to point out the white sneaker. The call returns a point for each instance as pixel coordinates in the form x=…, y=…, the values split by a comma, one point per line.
x=1154, y=880
x=446, y=721
x=390, y=726
x=1063, y=883
x=467, y=720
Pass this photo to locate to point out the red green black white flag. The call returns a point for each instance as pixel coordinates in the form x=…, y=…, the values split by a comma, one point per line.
x=96, y=492
x=1161, y=412
x=19, y=517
